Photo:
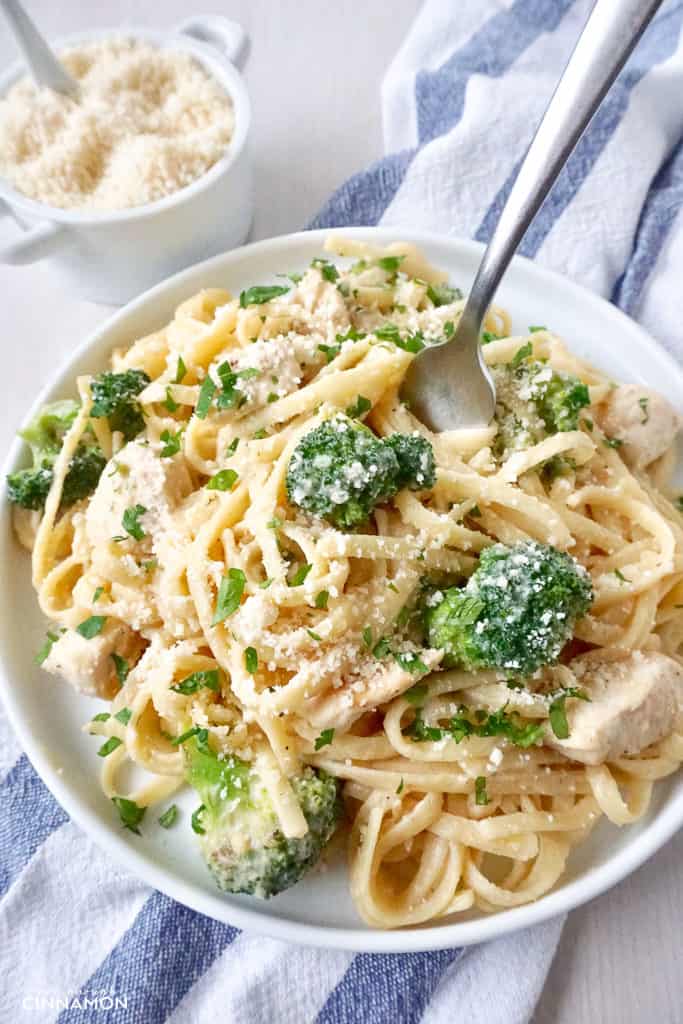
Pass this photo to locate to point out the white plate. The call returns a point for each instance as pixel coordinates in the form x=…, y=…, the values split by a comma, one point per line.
x=47, y=715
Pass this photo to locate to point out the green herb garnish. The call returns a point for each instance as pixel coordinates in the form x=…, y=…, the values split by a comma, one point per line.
x=229, y=595
x=324, y=739
x=91, y=626
x=224, y=480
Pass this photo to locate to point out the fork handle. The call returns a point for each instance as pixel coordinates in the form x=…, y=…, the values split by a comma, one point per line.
x=610, y=34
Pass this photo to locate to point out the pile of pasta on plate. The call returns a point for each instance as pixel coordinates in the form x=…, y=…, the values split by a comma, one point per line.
x=452, y=653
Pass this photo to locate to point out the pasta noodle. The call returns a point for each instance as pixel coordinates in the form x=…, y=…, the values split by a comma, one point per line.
x=422, y=843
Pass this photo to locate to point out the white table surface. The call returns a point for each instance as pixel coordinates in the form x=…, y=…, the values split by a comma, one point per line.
x=314, y=74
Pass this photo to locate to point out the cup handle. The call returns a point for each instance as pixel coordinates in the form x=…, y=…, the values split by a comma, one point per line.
x=35, y=244
x=228, y=37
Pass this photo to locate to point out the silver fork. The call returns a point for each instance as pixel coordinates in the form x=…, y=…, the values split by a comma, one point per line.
x=448, y=386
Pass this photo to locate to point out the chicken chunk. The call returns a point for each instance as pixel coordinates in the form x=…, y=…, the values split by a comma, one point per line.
x=138, y=477
x=635, y=700
x=355, y=697
x=642, y=420
x=88, y=664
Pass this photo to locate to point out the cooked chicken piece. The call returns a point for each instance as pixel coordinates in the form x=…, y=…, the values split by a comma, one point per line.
x=282, y=364
x=642, y=420
x=88, y=664
x=138, y=476
x=350, y=701
x=635, y=700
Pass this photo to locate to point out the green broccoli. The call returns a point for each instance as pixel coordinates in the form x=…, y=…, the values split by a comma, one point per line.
x=341, y=470
x=113, y=396
x=45, y=435
x=534, y=401
x=239, y=834
x=415, y=461
x=516, y=612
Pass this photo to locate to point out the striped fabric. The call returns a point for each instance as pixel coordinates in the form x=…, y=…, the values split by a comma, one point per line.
x=460, y=103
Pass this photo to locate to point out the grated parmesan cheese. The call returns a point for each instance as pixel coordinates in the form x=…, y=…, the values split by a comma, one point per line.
x=147, y=123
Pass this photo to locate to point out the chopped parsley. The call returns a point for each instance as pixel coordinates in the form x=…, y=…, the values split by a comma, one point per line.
x=481, y=723
x=121, y=667
x=558, y=715
x=399, y=788
x=91, y=626
x=534, y=328
x=620, y=576
x=449, y=329
x=322, y=599
x=443, y=294
x=44, y=652
x=300, y=575
x=367, y=637
x=382, y=648
x=131, y=815
x=198, y=680
x=328, y=270
x=232, y=447
x=224, y=480
x=170, y=402
x=231, y=396
x=98, y=594
x=172, y=443
x=169, y=816
x=410, y=662
x=330, y=351
x=612, y=442
x=181, y=371
x=480, y=795
x=103, y=716
x=109, y=746
x=123, y=716
x=643, y=403
x=206, y=393
x=131, y=521
x=314, y=636
x=229, y=595
x=390, y=263
x=251, y=660
x=262, y=293
x=361, y=406
x=195, y=820
x=324, y=739
x=201, y=734
x=521, y=354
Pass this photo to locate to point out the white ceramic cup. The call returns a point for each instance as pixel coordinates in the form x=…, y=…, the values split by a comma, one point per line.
x=111, y=257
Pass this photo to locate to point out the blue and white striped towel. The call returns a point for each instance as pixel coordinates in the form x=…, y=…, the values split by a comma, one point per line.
x=460, y=103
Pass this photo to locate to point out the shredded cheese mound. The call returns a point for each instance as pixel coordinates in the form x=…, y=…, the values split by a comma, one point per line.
x=147, y=123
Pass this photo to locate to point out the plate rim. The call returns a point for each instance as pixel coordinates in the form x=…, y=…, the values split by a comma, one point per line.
x=220, y=907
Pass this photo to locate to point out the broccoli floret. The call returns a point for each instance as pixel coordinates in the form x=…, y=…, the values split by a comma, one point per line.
x=29, y=487
x=114, y=397
x=415, y=461
x=45, y=435
x=341, y=470
x=516, y=612
x=559, y=400
x=239, y=833
x=534, y=401
x=85, y=470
